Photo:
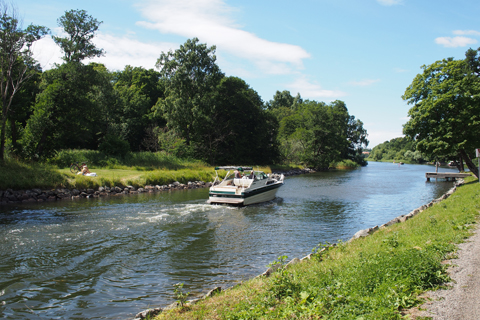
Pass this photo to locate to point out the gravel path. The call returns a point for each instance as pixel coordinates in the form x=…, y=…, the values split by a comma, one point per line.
x=462, y=301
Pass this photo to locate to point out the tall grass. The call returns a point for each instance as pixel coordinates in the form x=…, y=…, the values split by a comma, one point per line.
x=20, y=175
x=140, y=160
x=376, y=277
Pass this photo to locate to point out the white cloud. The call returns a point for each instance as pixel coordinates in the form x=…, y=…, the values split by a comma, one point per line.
x=390, y=2
x=455, y=42
x=209, y=21
x=466, y=32
x=120, y=51
x=364, y=82
x=46, y=52
x=309, y=90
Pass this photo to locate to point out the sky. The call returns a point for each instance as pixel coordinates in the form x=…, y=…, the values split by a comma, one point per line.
x=363, y=52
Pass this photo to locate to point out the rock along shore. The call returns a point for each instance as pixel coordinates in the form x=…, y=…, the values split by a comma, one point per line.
x=10, y=196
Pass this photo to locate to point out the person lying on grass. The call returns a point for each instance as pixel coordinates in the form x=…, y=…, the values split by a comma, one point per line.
x=86, y=172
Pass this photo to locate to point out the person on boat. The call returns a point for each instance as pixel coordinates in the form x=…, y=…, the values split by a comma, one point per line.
x=251, y=175
x=238, y=175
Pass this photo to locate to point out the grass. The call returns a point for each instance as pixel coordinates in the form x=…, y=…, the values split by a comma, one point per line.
x=136, y=169
x=377, y=277
x=19, y=175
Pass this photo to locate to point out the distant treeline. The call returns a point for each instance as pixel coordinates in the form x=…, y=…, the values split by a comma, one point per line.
x=186, y=107
x=398, y=149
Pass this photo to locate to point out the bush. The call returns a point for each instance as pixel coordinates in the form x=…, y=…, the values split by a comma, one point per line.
x=114, y=146
x=64, y=158
x=345, y=164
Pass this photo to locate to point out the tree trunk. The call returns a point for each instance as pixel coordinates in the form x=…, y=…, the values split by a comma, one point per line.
x=460, y=166
x=2, y=138
x=471, y=166
x=2, y=129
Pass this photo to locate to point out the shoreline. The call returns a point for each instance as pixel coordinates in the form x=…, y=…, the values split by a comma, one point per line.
x=37, y=195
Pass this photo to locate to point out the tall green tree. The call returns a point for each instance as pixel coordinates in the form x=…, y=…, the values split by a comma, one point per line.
x=445, y=117
x=16, y=62
x=68, y=112
x=190, y=75
x=80, y=28
x=138, y=90
x=237, y=128
x=316, y=134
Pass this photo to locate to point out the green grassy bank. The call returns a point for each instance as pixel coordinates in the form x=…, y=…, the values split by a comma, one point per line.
x=136, y=169
x=376, y=277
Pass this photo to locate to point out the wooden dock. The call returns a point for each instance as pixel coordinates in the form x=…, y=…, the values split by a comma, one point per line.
x=445, y=175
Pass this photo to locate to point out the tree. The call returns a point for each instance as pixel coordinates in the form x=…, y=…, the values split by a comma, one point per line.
x=237, y=128
x=81, y=29
x=315, y=129
x=191, y=76
x=445, y=117
x=69, y=112
x=138, y=90
x=356, y=140
x=16, y=62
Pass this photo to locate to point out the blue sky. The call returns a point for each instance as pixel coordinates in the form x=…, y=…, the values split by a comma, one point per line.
x=363, y=52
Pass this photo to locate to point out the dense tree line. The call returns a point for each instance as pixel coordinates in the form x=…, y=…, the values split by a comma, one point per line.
x=185, y=106
x=397, y=149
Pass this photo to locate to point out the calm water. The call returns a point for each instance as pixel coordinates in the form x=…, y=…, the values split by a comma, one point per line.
x=111, y=258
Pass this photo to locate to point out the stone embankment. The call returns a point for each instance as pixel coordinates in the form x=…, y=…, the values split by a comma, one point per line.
x=10, y=196
x=37, y=195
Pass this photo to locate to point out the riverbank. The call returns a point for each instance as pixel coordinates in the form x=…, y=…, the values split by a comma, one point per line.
x=10, y=196
x=379, y=276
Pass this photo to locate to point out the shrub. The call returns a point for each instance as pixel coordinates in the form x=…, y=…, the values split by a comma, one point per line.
x=113, y=145
x=64, y=158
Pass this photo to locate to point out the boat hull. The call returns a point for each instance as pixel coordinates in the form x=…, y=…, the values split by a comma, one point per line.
x=249, y=197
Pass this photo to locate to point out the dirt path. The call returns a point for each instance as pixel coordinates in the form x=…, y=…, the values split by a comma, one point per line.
x=462, y=301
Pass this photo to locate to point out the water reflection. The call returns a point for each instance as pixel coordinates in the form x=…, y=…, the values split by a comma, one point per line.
x=108, y=258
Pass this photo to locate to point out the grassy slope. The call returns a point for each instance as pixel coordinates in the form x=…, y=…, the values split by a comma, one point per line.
x=370, y=278
x=21, y=176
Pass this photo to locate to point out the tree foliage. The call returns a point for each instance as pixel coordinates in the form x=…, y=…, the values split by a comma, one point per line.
x=315, y=133
x=66, y=115
x=188, y=108
x=138, y=90
x=191, y=75
x=398, y=149
x=445, y=117
x=16, y=62
x=236, y=128
x=80, y=28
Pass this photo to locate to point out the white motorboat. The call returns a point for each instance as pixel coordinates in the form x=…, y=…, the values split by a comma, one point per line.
x=240, y=188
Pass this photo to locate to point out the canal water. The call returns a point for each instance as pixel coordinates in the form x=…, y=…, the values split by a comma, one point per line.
x=110, y=258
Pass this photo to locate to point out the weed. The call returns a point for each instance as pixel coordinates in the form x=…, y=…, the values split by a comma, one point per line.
x=280, y=262
x=392, y=241
x=321, y=249
x=179, y=294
